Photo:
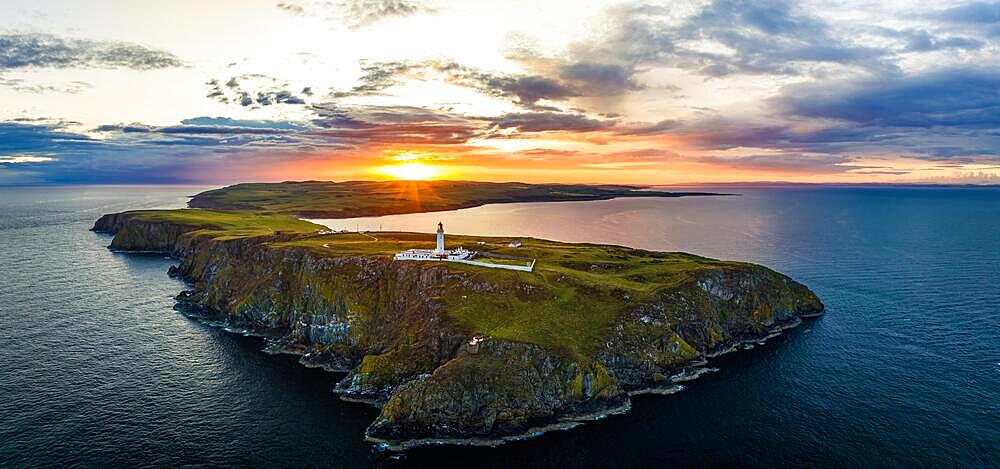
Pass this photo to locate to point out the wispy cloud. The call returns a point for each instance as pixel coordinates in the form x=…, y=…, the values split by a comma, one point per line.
x=32, y=50
x=25, y=158
x=355, y=14
x=255, y=90
x=361, y=13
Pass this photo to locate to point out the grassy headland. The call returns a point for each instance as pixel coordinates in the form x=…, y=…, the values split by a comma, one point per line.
x=574, y=337
x=567, y=304
x=223, y=224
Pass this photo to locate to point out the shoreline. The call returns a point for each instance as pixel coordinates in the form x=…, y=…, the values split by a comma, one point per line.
x=279, y=338
x=673, y=385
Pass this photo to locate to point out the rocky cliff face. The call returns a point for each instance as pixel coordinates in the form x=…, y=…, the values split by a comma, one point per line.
x=387, y=325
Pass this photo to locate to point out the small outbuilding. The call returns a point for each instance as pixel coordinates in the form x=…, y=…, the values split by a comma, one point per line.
x=474, y=342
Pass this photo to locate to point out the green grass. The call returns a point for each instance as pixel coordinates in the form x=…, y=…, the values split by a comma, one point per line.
x=503, y=261
x=567, y=304
x=575, y=293
x=228, y=224
x=372, y=198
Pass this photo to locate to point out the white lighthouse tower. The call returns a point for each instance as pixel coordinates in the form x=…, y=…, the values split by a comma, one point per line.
x=439, y=250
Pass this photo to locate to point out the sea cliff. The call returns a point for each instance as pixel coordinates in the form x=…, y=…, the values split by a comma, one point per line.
x=565, y=344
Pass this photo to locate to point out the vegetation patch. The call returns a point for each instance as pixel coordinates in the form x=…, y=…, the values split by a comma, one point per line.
x=224, y=224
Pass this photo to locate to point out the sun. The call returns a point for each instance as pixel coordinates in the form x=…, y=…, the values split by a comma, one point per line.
x=411, y=171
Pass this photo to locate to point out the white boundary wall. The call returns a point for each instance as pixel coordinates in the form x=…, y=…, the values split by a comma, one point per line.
x=522, y=268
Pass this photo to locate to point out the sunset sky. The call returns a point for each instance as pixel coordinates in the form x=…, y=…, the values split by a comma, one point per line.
x=555, y=91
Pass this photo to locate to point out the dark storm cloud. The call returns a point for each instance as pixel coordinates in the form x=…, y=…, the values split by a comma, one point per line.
x=47, y=51
x=958, y=97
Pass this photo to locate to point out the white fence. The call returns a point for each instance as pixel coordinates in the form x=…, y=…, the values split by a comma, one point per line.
x=523, y=268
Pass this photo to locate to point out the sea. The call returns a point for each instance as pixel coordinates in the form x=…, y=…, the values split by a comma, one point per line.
x=97, y=369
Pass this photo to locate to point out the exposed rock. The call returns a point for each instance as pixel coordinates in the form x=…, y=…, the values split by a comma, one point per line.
x=387, y=324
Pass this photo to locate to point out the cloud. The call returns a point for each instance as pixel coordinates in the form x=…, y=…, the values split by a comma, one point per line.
x=376, y=77
x=256, y=90
x=962, y=97
x=292, y=8
x=390, y=125
x=568, y=80
x=361, y=13
x=355, y=14
x=29, y=138
x=142, y=153
x=983, y=17
x=23, y=86
x=923, y=41
x=598, y=79
x=548, y=121
x=784, y=163
x=643, y=128
x=243, y=123
x=31, y=50
x=973, y=13
x=24, y=158
x=768, y=37
x=727, y=37
x=524, y=89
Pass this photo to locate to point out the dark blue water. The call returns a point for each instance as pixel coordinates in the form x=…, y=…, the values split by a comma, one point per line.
x=96, y=369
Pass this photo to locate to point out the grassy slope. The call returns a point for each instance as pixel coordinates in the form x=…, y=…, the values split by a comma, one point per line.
x=567, y=304
x=228, y=224
x=371, y=198
x=576, y=292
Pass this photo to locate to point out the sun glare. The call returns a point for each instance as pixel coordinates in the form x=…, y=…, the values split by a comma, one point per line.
x=411, y=171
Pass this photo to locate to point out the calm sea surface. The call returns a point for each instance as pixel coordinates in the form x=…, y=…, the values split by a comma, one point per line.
x=97, y=369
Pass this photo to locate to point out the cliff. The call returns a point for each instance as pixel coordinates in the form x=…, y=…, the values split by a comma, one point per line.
x=564, y=344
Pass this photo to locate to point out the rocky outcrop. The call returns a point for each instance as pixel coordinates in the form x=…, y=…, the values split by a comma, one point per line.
x=132, y=235
x=387, y=325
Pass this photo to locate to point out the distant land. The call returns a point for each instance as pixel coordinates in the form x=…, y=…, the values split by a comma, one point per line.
x=324, y=199
x=566, y=343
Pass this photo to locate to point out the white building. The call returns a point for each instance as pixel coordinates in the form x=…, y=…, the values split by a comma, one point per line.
x=438, y=254
x=460, y=255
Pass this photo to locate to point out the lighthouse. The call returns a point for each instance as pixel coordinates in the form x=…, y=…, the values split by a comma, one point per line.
x=440, y=240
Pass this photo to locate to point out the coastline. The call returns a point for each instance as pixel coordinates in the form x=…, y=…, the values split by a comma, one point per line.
x=674, y=384
x=633, y=371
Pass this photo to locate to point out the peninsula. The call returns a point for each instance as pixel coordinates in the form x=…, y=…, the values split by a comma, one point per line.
x=324, y=199
x=453, y=352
